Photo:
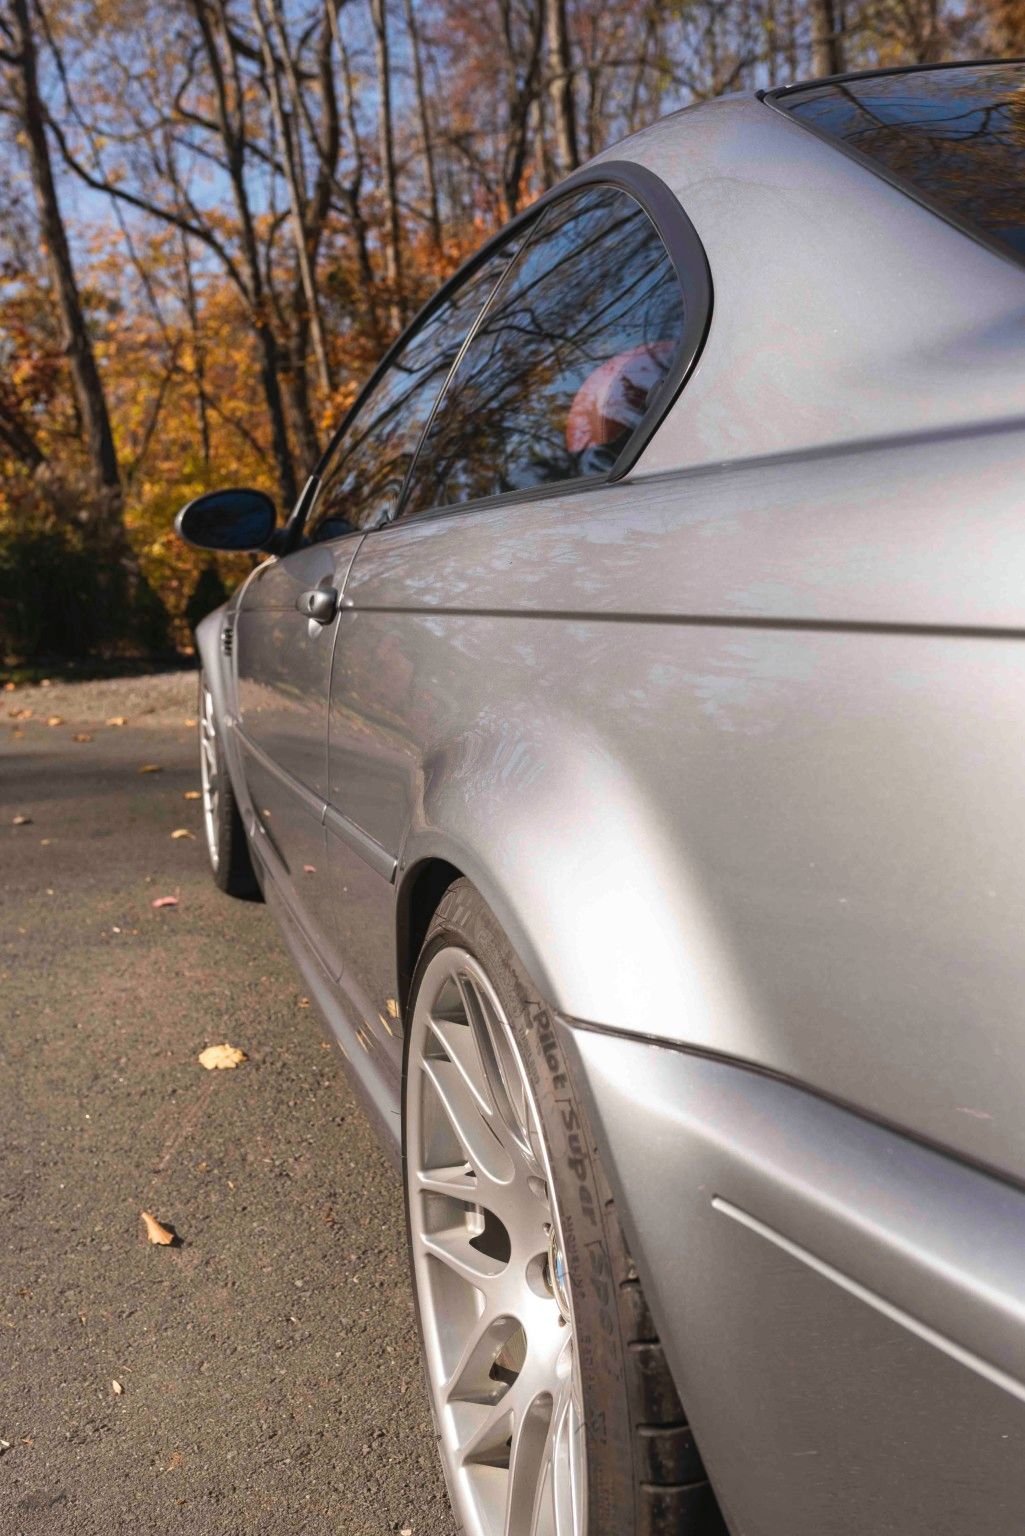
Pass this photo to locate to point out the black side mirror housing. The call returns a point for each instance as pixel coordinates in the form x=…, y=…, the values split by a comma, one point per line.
x=229, y=520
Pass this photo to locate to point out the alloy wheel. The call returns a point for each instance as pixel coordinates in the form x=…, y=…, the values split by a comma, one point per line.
x=495, y=1305
x=208, y=772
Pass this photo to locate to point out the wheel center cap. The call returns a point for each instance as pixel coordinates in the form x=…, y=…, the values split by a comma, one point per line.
x=559, y=1277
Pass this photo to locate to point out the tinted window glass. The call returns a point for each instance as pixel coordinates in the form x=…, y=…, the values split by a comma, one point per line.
x=566, y=361
x=956, y=135
x=363, y=479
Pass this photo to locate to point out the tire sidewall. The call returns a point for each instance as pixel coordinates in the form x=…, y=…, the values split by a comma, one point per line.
x=463, y=920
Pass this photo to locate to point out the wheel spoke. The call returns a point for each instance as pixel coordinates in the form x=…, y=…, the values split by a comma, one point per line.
x=452, y=1247
x=472, y=1378
x=458, y=1181
x=473, y=1129
x=505, y=1086
x=488, y=1264
x=565, y=1467
x=531, y=1432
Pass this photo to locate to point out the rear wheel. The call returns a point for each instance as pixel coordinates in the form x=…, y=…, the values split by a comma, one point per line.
x=226, y=842
x=554, y=1410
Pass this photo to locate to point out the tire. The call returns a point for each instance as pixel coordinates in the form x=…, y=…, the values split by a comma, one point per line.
x=478, y=1037
x=226, y=843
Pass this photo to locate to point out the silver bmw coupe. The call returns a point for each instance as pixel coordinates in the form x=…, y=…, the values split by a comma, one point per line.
x=626, y=729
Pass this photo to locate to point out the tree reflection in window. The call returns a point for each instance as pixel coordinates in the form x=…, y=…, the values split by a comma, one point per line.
x=363, y=478
x=569, y=357
x=956, y=135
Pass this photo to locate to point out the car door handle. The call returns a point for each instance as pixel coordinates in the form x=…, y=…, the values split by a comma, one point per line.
x=320, y=604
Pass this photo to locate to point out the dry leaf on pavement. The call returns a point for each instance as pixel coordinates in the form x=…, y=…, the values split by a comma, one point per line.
x=151, y=768
x=155, y=1232
x=81, y=736
x=219, y=1058
x=192, y=794
x=116, y=1388
x=117, y=720
x=55, y=720
x=180, y=832
x=165, y=901
x=21, y=821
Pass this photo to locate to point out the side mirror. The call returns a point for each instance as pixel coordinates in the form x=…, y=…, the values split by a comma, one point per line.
x=228, y=520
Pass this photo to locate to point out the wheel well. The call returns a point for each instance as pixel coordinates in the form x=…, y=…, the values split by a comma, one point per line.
x=419, y=898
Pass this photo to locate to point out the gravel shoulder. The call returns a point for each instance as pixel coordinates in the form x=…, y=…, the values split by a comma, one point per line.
x=270, y=1371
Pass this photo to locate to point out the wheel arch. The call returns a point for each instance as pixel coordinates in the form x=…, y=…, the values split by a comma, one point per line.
x=209, y=644
x=595, y=893
x=419, y=895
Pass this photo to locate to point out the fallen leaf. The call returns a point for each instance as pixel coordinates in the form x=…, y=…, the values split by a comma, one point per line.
x=20, y=714
x=221, y=1058
x=81, y=736
x=155, y=1232
x=304, y=1002
x=151, y=768
x=392, y=1007
x=55, y=720
x=9, y=687
x=44, y=842
x=21, y=821
x=180, y=832
x=117, y=720
x=192, y=794
x=116, y=1386
x=190, y=722
x=165, y=901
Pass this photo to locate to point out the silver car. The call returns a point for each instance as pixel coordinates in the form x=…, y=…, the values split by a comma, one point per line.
x=628, y=732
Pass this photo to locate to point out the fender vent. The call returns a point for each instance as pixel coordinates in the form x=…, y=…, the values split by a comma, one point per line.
x=227, y=639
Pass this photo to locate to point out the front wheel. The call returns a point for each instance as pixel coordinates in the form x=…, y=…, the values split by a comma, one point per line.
x=554, y=1410
x=226, y=842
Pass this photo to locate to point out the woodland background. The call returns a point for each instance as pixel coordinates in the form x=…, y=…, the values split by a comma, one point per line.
x=215, y=214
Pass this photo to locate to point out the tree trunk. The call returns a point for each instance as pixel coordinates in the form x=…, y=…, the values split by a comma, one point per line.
x=386, y=142
x=296, y=199
x=231, y=127
x=352, y=190
x=92, y=405
x=426, y=136
x=827, y=37
x=560, y=85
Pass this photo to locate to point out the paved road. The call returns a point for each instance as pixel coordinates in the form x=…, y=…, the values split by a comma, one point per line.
x=270, y=1372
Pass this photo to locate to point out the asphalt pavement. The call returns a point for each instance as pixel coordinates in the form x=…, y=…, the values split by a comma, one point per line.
x=267, y=1362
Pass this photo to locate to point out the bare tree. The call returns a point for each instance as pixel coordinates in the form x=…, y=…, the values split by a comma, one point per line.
x=389, y=175
x=21, y=57
x=560, y=84
x=827, y=37
x=426, y=132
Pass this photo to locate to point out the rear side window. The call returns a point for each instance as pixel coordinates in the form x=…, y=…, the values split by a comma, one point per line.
x=570, y=356
x=368, y=465
x=955, y=137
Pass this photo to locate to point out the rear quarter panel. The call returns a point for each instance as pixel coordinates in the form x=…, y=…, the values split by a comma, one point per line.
x=736, y=756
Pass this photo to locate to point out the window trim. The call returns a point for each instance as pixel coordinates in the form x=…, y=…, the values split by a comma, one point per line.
x=687, y=256
x=779, y=98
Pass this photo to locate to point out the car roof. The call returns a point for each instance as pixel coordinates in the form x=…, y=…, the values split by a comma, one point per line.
x=843, y=310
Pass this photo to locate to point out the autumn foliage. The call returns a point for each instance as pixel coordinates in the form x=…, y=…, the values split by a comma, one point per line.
x=217, y=213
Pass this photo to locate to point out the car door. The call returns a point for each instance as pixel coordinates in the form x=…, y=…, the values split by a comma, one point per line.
x=282, y=642
x=575, y=344
x=360, y=485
